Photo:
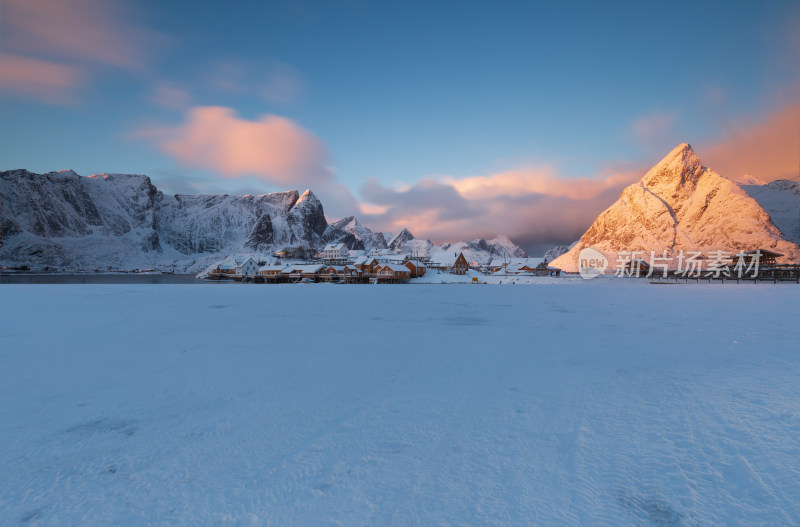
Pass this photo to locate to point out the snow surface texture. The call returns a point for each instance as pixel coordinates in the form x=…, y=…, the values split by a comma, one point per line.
x=122, y=222
x=605, y=403
x=682, y=205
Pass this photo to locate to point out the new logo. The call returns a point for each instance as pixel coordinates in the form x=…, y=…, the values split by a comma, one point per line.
x=591, y=263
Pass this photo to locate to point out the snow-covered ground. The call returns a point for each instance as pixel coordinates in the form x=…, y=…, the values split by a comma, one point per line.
x=607, y=402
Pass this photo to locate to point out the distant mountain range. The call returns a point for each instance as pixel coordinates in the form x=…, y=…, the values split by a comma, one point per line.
x=121, y=222
x=680, y=204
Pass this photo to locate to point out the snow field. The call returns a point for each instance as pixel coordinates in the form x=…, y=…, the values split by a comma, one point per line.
x=608, y=402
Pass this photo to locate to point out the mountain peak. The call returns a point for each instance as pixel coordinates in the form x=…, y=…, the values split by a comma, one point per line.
x=400, y=239
x=677, y=169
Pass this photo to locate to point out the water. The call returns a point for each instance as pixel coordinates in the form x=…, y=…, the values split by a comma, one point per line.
x=102, y=278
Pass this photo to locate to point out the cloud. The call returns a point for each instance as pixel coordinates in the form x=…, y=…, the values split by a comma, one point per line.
x=171, y=96
x=653, y=128
x=531, y=180
x=40, y=79
x=764, y=147
x=66, y=40
x=532, y=205
x=272, y=148
x=273, y=81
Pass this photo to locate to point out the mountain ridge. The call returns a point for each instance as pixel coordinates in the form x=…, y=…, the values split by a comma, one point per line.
x=122, y=221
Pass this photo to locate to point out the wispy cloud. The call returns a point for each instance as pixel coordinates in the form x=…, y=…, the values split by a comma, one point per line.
x=171, y=96
x=272, y=80
x=62, y=42
x=39, y=79
x=654, y=127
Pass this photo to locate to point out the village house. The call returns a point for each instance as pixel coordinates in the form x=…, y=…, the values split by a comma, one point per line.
x=270, y=270
x=366, y=265
x=248, y=267
x=224, y=269
x=392, y=272
x=533, y=266
x=335, y=252
x=456, y=264
x=416, y=267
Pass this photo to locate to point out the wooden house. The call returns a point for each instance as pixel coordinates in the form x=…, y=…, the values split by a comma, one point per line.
x=765, y=257
x=416, y=267
x=457, y=264
x=225, y=268
x=392, y=272
x=366, y=265
x=270, y=270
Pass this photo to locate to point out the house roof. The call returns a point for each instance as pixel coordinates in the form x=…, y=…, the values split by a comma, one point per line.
x=334, y=247
x=447, y=260
x=395, y=267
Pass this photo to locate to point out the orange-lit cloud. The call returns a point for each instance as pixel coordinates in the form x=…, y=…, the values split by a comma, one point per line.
x=532, y=205
x=64, y=41
x=767, y=148
x=40, y=79
x=534, y=181
x=272, y=148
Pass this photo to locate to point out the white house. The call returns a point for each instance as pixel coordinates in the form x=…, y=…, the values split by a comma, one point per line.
x=248, y=267
x=335, y=251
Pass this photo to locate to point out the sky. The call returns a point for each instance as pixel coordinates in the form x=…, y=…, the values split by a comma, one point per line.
x=457, y=120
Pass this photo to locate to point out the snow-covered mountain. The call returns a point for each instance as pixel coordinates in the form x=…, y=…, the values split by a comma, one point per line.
x=120, y=221
x=480, y=250
x=554, y=252
x=682, y=205
x=400, y=240
x=350, y=232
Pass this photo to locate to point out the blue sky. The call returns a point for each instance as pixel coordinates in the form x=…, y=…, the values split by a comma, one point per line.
x=390, y=95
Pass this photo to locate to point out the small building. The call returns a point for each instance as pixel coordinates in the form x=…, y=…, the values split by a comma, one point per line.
x=366, y=265
x=335, y=252
x=638, y=267
x=270, y=270
x=416, y=267
x=456, y=264
x=225, y=268
x=248, y=267
x=764, y=257
x=392, y=272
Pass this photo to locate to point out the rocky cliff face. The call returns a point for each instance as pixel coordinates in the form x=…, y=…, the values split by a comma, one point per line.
x=402, y=238
x=119, y=221
x=354, y=235
x=682, y=205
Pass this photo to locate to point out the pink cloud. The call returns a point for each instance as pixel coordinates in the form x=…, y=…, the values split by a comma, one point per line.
x=272, y=148
x=39, y=79
x=531, y=205
x=63, y=41
x=766, y=147
x=86, y=30
x=530, y=180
